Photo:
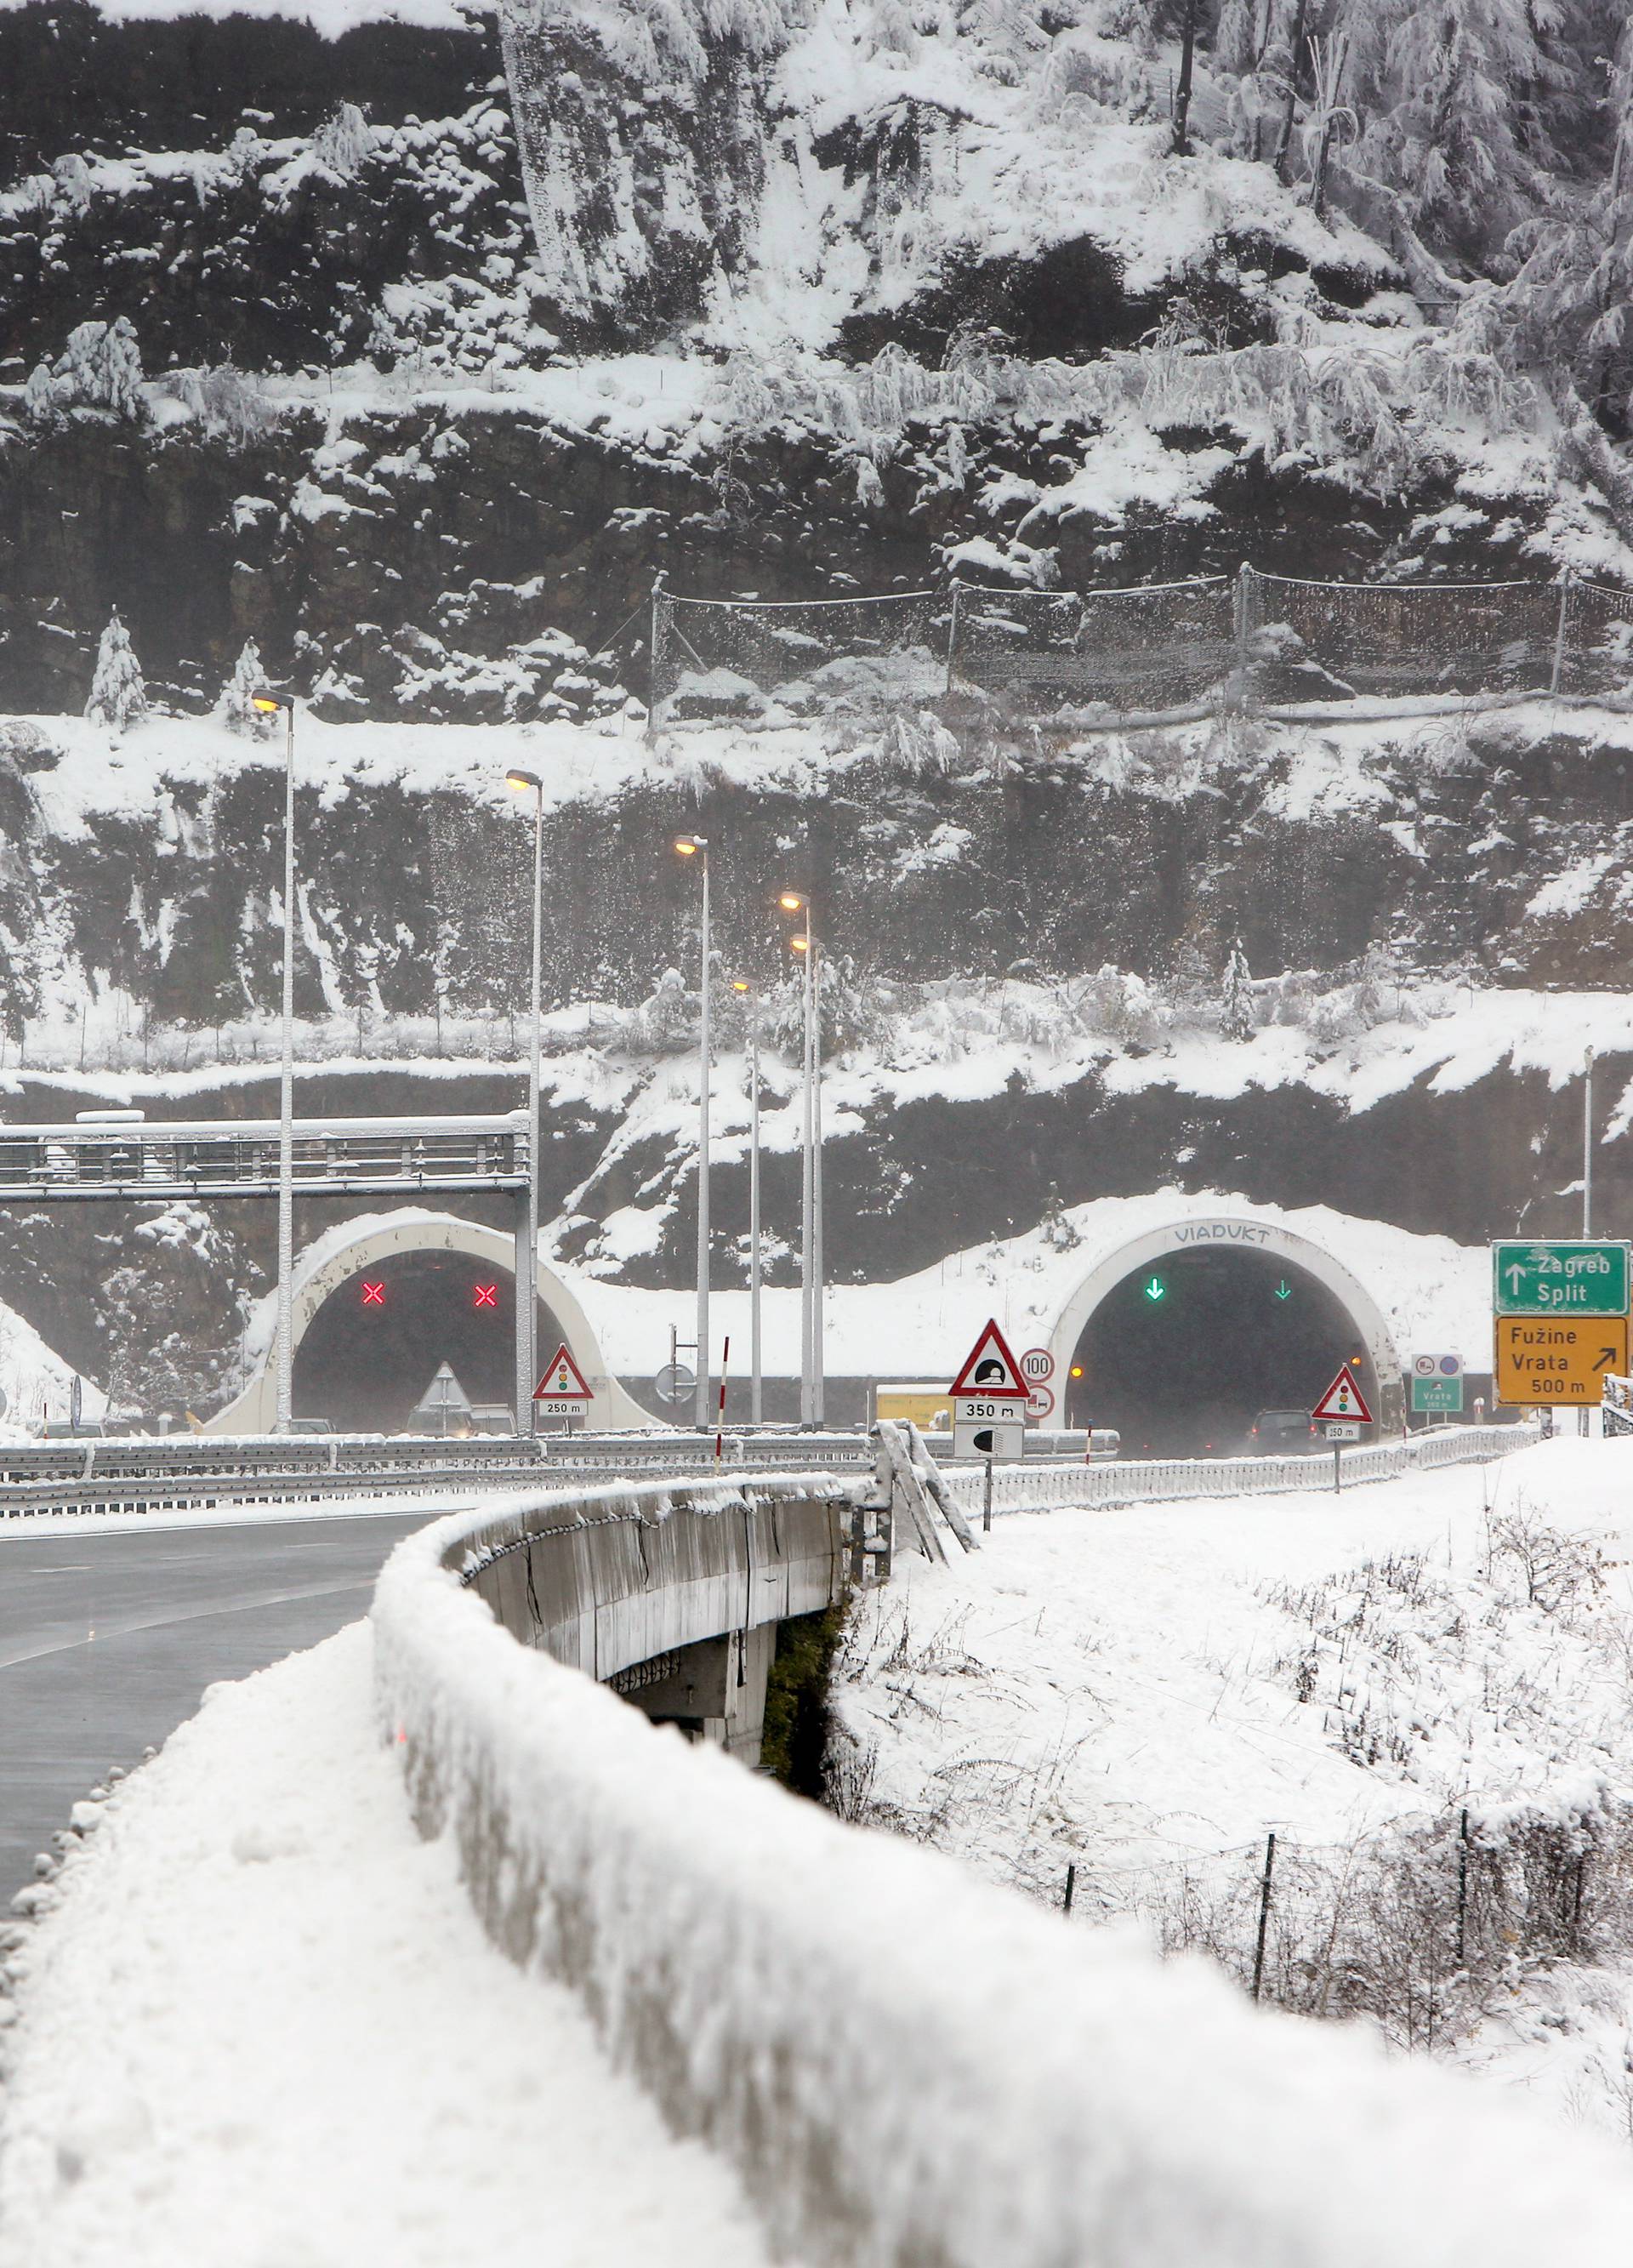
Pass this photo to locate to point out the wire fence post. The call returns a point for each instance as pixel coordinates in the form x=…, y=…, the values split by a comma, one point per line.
x=952, y=633
x=654, y=659
x=1462, y=1894
x=1264, y=1913
x=1557, y=675
x=1071, y=1885
x=1247, y=623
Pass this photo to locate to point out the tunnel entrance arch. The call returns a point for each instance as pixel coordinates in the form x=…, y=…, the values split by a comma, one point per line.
x=453, y=1254
x=1182, y=1333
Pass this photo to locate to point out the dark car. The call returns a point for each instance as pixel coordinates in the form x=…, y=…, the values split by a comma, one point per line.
x=1282, y=1433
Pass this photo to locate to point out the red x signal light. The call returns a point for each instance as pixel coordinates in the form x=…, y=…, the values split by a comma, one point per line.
x=374, y=1293
x=485, y=1295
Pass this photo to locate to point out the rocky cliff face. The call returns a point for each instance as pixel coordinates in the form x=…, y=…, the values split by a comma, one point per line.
x=415, y=352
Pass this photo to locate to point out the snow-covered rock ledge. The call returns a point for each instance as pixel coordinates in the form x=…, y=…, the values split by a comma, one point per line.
x=905, y=2066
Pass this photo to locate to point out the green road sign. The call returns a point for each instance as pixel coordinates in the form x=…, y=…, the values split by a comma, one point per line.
x=1437, y=1393
x=1584, y=1278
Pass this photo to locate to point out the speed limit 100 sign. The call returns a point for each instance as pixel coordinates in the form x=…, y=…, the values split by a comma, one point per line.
x=1037, y=1365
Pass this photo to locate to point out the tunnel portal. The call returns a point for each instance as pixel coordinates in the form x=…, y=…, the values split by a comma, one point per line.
x=1182, y=1353
x=370, y=1352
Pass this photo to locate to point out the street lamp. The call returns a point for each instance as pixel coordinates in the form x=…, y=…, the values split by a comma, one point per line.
x=526, y=783
x=697, y=846
x=755, y=1385
x=269, y=704
x=812, y=1395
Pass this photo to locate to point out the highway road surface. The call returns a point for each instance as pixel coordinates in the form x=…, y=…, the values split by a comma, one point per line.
x=106, y=1641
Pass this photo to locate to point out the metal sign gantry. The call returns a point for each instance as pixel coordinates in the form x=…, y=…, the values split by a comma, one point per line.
x=141, y=1160
x=127, y=1158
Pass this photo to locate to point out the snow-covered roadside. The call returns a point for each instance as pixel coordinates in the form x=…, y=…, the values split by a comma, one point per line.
x=1144, y=1694
x=268, y=2028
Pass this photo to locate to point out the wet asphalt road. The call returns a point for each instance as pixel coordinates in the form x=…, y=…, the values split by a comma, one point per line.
x=106, y=1642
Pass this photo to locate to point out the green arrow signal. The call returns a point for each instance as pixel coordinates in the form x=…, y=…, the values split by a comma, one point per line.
x=1283, y=1290
x=1156, y=1289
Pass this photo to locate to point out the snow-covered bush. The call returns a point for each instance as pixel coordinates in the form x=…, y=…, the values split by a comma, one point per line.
x=226, y=401
x=100, y=368
x=343, y=141
x=118, y=694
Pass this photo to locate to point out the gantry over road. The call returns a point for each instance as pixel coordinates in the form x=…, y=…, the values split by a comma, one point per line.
x=138, y=1160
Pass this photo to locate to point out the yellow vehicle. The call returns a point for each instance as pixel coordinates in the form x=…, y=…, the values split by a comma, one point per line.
x=929, y=1407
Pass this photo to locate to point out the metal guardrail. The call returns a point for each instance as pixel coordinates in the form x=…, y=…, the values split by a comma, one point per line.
x=202, y=1472
x=1040, y=1487
x=239, y=1158
x=1616, y=1408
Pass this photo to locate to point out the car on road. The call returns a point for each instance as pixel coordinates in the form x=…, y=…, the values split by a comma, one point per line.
x=1282, y=1433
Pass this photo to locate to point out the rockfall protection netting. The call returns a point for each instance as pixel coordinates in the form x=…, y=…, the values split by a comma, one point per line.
x=1155, y=652
x=1167, y=645
x=774, y=662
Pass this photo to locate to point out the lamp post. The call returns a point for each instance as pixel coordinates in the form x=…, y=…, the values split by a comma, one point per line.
x=270, y=705
x=756, y=1379
x=812, y=1393
x=527, y=1241
x=697, y=846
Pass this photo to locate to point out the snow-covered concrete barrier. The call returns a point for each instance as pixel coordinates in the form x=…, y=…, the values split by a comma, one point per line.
x=909, y=2069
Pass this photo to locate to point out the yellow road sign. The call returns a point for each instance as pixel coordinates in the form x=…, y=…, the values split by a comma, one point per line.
x=1565, y=1364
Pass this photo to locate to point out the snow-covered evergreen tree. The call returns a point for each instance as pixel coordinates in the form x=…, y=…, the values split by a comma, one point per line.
x=1572, y=296
x=1453, y=104
x=1235, y=1000
x=237, y=710
x=118, y=694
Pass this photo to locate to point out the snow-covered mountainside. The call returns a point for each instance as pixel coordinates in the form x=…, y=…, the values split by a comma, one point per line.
x=391, y=354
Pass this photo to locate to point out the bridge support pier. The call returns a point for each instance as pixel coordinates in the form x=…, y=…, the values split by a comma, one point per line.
x=714, y=1690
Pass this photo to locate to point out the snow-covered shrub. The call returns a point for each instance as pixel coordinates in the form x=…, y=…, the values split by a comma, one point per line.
x=73, y=177
x=118, y=694
x=100, y=368
x=343, y=141
x=227, y=401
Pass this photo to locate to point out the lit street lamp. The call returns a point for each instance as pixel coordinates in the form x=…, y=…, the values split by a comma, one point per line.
x=269, y=704
x=527, y=1245
x=697, y=846
x=755, y=1384
x=812, y=1390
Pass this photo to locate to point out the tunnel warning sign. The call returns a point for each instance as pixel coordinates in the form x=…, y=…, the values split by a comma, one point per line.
x=991, y=1369
x=563, y=1379
x=1343, y=1399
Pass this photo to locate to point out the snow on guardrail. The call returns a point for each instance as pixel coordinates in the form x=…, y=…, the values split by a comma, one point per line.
x=907, y=2066
x=1038, y=1487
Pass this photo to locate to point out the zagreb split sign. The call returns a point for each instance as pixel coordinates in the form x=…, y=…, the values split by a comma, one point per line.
x=1583, y=1276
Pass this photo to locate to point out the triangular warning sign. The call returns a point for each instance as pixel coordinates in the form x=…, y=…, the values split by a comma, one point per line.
x=1343, y=1398
x=990, y=1369
x=444, y=1392
x=562, y=1380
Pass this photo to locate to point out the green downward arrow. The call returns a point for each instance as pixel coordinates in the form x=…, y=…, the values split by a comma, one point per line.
x=1156, y=1289
x=1283, y=1290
